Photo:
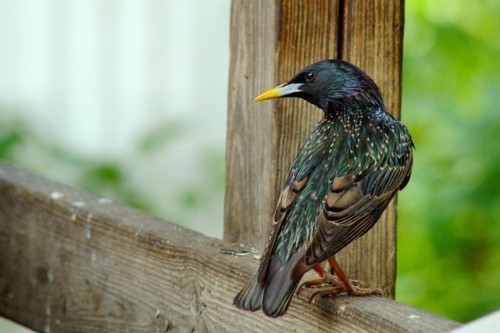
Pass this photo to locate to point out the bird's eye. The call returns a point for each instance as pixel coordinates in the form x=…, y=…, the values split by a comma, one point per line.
x=310, y=76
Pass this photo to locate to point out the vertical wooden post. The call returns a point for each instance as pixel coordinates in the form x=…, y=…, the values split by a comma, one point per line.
x=251, y=168
x=270, y=41
x=372, y=38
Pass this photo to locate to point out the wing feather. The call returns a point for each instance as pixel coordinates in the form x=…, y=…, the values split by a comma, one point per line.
x=286, y=200
x=353, y=206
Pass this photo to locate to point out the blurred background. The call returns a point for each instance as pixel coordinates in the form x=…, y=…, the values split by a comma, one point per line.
x=127, y=99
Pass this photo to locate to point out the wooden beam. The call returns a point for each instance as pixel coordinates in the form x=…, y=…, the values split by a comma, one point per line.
x=372, y=38
x=250, y=169
x=270, y=41
x=73, y=262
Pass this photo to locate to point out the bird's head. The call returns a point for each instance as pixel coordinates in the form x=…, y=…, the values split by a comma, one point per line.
x=328, y=84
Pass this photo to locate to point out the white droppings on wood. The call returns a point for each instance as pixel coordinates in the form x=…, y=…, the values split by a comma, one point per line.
x=138, y=232
x=105, y=200
x=413, y=316
x=341, y=309
x=50, y=276
x=48, y=314
x=78, y=203
x=56, y=195
x=88, y=227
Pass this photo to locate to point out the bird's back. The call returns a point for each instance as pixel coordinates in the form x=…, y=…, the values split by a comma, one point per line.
x=347, y=144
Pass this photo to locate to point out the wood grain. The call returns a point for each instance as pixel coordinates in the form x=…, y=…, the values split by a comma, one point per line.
x=250, y=145
x=307, y=33
x=73, y=262
x=372, y=38
x=270, y=41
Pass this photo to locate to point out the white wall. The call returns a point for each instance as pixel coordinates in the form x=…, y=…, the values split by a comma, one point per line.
x=93, y=76
x=79, y=66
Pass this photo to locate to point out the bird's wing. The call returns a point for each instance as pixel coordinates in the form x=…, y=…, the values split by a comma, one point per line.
x=288, y=196
x=354, y=204
x=271, y=288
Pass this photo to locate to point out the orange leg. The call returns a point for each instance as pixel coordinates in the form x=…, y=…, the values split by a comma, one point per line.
x=325, y=279
x=318, y=269
x=336, y=284
x=340, y=274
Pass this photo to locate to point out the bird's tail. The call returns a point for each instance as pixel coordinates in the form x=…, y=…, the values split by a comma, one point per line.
x=274, y=298
x=275, y=290
x=279, y=291
x=250, y=297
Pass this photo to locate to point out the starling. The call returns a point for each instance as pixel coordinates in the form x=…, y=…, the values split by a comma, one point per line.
x=352, y=164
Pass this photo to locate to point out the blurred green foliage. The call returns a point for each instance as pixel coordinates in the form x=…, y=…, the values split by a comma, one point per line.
x=21, y=145
x=449, y=231
x=145, y=178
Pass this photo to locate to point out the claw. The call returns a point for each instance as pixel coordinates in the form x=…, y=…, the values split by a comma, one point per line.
x=336, y=284
x=333, y=286
x=357, y=291
x=310, y=284
x=331, y=292
x=327, y=280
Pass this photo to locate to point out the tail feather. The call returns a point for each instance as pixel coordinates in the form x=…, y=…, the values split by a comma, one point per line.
x=280, y=286
x=277, y=298
x=250, y=297
x=275, y=293
x=274, y=298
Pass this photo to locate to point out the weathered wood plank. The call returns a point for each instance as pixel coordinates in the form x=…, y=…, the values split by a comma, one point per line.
x=270, y=41
x=250, y=173
x=307, y=34
x=73, y=262
x=372, y=38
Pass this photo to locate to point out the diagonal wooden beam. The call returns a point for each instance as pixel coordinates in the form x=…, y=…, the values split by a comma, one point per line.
x=74, y=262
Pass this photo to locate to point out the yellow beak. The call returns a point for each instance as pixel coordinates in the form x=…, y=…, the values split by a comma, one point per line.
x=279, y=91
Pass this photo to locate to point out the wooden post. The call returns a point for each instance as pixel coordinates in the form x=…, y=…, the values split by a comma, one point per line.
x=270, y=41
x=372, y=38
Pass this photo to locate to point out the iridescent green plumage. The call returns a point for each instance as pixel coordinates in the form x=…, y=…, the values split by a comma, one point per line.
x=352, y=164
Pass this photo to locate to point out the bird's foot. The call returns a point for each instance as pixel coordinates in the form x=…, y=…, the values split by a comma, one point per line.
x=359, y=291
x=333, y=286
x=337, y=290
x=326, y=280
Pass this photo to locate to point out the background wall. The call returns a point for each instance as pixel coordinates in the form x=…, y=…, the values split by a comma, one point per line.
x=128, y=99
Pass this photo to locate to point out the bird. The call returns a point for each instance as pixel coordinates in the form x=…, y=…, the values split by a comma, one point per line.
x=352, y=164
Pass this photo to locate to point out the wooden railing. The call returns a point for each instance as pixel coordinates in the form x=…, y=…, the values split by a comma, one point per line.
x=71, y=261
